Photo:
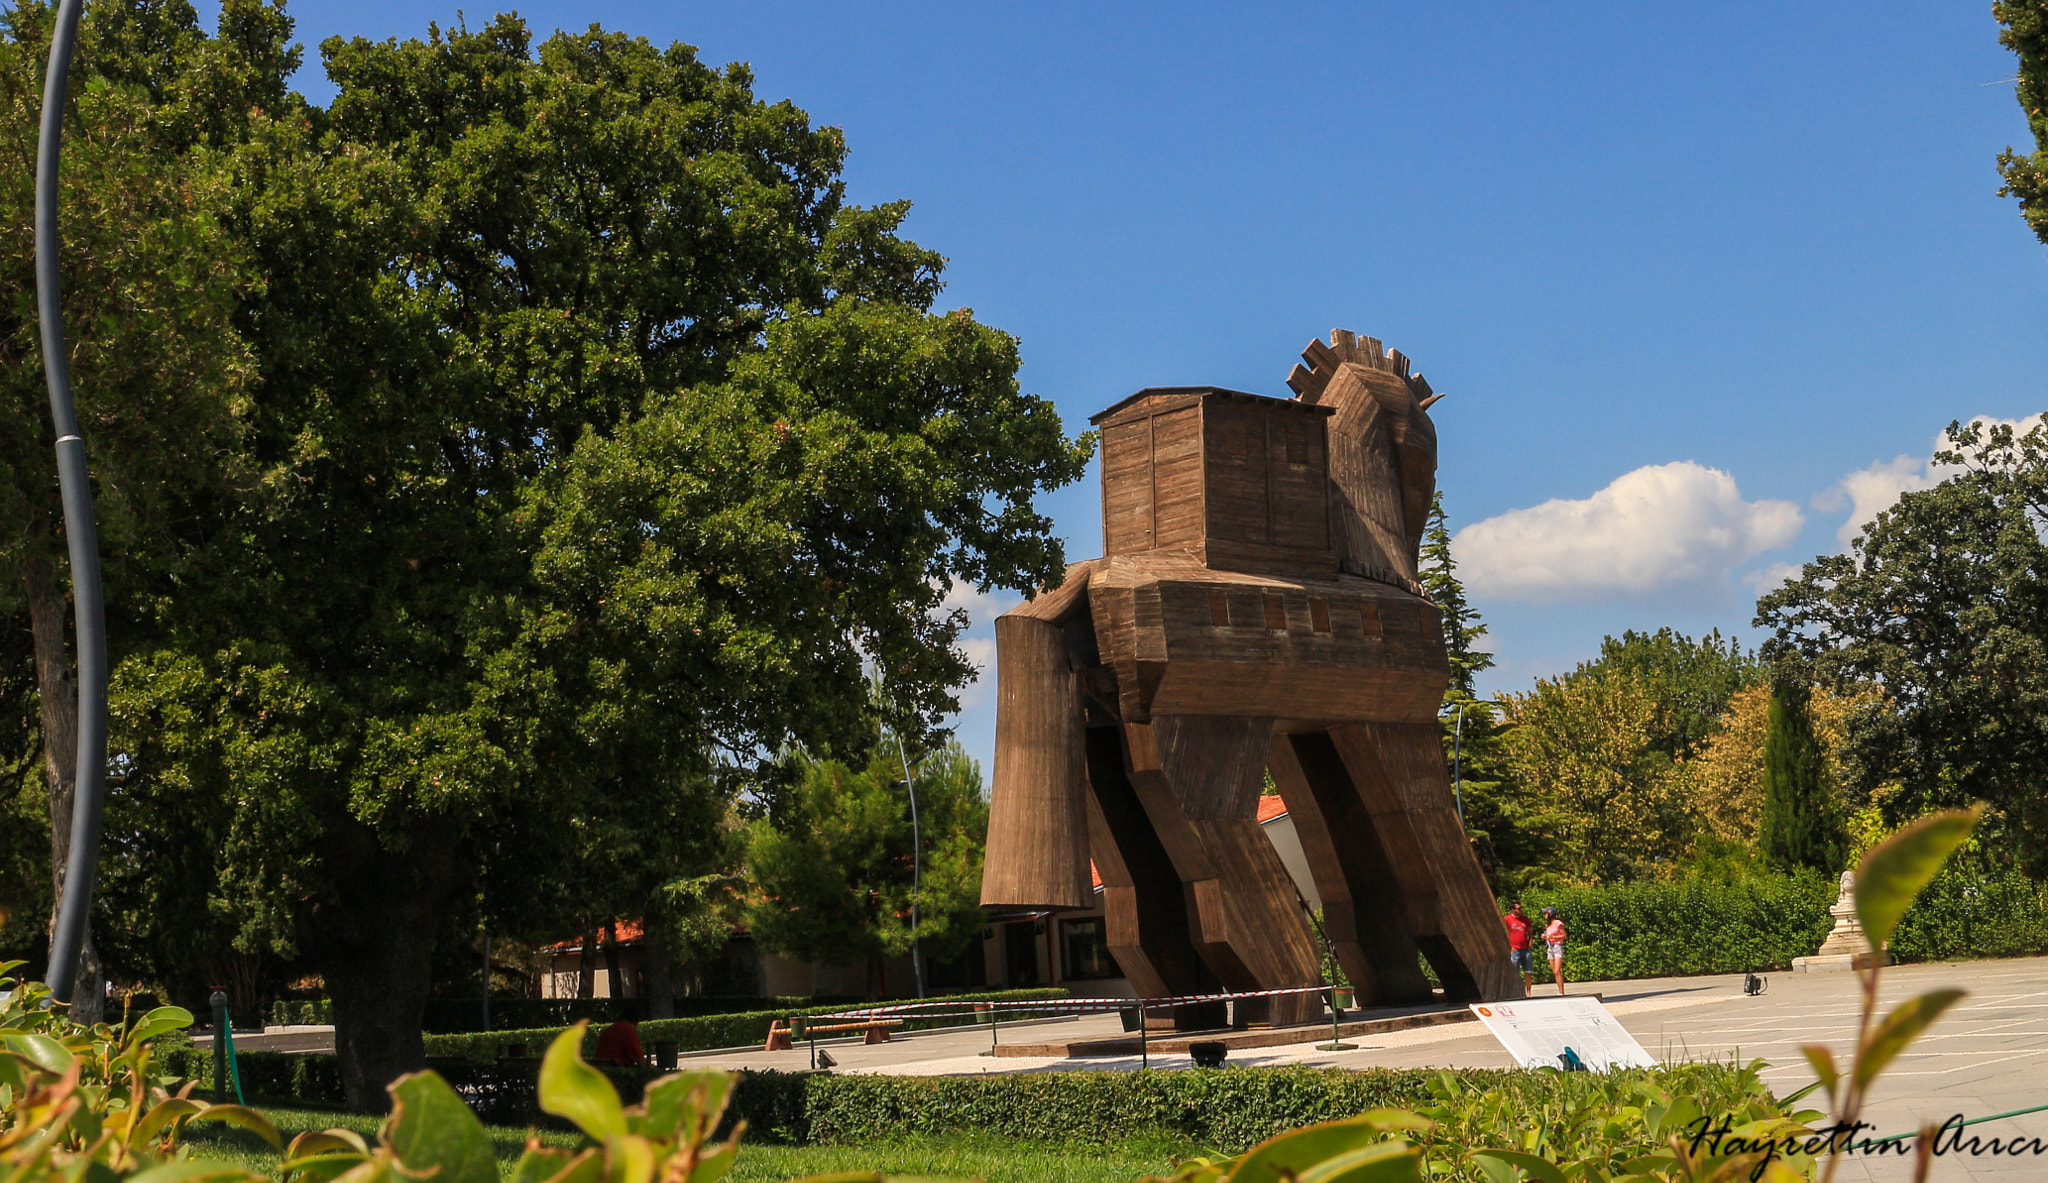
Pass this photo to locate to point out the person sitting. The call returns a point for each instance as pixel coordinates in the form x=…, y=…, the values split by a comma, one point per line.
x=620, y=1043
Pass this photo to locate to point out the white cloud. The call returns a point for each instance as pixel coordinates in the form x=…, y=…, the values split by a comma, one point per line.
x=1657, y=527
x=1768, y=578
x=979, y=641
x=981, y=607
x=1870, y=491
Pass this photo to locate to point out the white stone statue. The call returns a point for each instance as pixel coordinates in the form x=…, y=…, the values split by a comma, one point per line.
x=1846, y=947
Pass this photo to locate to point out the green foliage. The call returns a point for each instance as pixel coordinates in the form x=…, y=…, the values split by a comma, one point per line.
x=601, y=444
x=1800, y=824
x=831, y=866
x=1589, y=788
x=1588, y=1125
x=705, y=1032
x=269, y=1076
x=1229, y=1110
x=1942, y=602
x=86, y=1102
x=1690, y=681
x=1967, y=912
x=2025, y=32
x=1690, y=926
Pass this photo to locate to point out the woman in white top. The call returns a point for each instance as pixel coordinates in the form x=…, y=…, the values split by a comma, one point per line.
x=1553, y=936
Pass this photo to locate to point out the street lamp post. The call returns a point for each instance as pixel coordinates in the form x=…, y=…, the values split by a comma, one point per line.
x=73, y=477
x=1458, y=763
x=916, y=865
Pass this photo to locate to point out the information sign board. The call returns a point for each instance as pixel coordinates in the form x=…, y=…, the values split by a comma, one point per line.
x=1562, y=1033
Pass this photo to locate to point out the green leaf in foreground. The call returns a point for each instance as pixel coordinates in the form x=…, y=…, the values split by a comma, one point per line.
x=1283, y=1158
x=430, y=1128
x=573, y=1089
x=1896, y=869
x=1900, y=1028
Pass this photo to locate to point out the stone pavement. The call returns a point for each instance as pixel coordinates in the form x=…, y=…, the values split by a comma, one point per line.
x=1987, y=1055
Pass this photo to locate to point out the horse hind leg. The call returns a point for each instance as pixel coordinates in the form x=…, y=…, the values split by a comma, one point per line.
x=1198, y=778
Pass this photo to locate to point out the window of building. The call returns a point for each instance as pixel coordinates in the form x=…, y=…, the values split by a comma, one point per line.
x=1084, y=949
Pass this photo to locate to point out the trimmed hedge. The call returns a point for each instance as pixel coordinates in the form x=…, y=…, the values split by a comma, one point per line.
x=706, y=1032
x=1648, y=930
x=1966, y=913
x=272, y=1076
x=1226, y=1109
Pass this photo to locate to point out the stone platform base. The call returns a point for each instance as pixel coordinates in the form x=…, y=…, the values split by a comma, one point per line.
x=1833, y=961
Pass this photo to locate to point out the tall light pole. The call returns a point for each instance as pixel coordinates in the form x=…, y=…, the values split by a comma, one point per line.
x=1458, y=762
x=88, y=609
x=916, y=865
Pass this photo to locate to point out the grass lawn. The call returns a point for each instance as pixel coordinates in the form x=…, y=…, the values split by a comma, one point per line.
x=965, y=1156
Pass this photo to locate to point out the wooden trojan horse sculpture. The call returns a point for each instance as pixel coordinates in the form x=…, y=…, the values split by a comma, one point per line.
x=1257, y=610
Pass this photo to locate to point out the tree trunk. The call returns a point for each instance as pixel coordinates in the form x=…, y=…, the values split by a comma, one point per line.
x=586, y=964
x=661, y=990
x=615, y=983
x=374, y=943
x=49, y=614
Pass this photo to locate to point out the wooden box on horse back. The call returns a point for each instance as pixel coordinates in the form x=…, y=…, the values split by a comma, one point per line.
x=1233, y=480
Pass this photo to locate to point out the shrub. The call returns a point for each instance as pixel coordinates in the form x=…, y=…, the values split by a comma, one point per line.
x=1762, y=921
x=1971, y=913
x=706, y=1032
x=1657, y=929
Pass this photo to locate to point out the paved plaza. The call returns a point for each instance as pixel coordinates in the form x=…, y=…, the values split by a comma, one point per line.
x=1988, y=1055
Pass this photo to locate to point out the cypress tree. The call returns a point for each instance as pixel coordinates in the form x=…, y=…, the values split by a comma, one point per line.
x=1800, y=826
x=1461, y=623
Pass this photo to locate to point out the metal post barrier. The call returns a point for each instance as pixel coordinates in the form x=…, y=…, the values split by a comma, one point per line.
x=220, y=1046
x=1144, y=1043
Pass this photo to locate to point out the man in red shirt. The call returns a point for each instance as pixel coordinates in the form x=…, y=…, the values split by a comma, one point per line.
x=1519, y=928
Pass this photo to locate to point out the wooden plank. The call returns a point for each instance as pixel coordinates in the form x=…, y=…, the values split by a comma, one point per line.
x=1143, y=904
x=1364, y=915
x=1037, y=832
x=1199, y=780
x=1070, y=597
x=1412, y=755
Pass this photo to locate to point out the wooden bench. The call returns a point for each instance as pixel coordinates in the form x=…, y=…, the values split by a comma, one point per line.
x=877, y=1029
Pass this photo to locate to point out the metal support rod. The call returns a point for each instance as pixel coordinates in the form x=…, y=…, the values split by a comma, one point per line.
x=916, y=866
x=1144, y=1043
x=74, y=480
x=221, y=1019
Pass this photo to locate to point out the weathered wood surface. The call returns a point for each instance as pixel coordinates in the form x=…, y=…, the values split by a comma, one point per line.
x=1198, y=778
x=1257, y=608
x=1038, y=821
x=1150, y=933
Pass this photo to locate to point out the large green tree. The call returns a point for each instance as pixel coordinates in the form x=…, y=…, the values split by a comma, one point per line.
x=830, y=870
x=1941, y=605
x=150, y=281
x=600, y=442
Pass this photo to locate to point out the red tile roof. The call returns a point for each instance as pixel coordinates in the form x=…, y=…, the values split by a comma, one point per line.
x=629, y=931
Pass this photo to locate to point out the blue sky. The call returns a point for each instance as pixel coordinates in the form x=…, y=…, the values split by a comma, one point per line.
x=1702, y=281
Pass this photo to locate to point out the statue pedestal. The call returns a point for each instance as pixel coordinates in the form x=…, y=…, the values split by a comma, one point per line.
x=1846, y=947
